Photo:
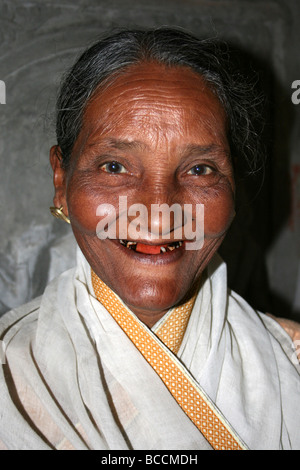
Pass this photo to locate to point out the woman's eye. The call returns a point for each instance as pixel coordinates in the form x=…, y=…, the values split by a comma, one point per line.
x=200, y=170
x=113, y=167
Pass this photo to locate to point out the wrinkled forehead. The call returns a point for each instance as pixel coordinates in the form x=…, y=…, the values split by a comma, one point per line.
x=157, y=100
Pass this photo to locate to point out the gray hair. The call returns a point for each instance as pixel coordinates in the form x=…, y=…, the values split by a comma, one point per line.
x=174, y=48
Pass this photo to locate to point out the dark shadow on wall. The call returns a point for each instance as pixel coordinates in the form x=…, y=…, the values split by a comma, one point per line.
x=257, y=224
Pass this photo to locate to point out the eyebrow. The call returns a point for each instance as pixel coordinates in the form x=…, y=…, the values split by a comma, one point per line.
x=186, y=151
x=121, y=144
x=204, y=149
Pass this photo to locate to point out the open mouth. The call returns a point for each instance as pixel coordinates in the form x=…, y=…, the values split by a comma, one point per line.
x=151, y=249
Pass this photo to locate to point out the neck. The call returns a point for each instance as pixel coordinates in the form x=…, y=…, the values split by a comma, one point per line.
x=149, y=318
x=146, y=315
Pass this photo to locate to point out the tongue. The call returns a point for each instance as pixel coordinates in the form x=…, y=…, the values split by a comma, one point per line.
x=149, y=249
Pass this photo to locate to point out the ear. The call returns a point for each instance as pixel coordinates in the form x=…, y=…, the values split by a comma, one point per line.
x=59, y=178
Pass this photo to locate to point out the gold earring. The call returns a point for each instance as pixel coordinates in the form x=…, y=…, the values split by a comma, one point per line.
x=58, y=212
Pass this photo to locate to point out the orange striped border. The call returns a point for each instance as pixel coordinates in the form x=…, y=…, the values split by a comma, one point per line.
x=193, y=401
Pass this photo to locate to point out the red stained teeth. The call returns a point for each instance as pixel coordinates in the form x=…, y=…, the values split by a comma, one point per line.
x=151, y=249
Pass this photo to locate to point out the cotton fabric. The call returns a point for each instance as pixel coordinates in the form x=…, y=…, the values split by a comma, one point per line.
x=74, y=380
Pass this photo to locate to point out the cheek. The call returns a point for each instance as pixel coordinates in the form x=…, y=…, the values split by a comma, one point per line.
x=218, y=212
x=83, y=201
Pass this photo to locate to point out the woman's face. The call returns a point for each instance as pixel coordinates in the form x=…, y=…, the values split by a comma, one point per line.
x=155, y=135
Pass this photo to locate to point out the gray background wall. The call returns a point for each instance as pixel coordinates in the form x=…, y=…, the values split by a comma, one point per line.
x=40, y=39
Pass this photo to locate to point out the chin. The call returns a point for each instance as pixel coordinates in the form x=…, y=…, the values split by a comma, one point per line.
x=151, y=297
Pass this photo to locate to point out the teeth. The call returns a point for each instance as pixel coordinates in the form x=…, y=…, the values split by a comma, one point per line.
x=131, y=245
x=172, y=246
x=128, y=244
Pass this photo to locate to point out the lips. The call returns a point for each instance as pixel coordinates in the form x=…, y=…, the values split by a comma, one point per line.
x=151, y=249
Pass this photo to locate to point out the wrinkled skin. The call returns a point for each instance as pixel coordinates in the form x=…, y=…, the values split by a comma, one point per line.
x=165, y=131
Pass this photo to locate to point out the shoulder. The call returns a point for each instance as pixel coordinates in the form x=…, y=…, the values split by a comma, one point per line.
x=21, y=325
x=261, y=331
x=25, y=313
x=59, y=282
x=19, y=318
x=287, y=334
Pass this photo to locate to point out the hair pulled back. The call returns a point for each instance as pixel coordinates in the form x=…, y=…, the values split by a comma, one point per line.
x=112, y=54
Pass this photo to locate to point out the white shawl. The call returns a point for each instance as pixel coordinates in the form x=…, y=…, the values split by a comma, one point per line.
x=73, y=380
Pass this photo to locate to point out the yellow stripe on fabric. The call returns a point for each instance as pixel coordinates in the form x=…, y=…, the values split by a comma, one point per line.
x=183, y=388
x=171, y=331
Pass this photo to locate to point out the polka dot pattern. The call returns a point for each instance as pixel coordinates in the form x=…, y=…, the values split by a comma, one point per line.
x=172, y=330
x=189, y=397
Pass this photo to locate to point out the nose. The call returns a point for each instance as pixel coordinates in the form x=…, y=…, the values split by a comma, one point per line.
x=165, y=220
x=158, y=213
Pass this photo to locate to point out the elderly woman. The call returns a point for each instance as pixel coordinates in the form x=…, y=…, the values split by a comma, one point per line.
x=142, y=346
